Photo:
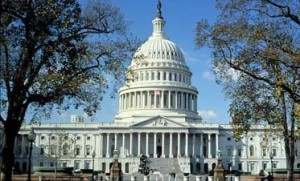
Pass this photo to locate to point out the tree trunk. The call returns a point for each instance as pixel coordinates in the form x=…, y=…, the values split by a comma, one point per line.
x=7, y=155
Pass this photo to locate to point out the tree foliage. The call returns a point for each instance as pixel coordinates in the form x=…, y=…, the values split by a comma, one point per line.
x=256, y=57
x=57, y=53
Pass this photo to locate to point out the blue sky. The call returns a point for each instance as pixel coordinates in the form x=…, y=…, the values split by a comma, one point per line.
x=181, y=17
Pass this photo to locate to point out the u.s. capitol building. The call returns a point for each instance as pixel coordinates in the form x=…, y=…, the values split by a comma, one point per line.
x=158, y=118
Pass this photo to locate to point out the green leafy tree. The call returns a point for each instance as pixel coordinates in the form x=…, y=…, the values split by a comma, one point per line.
x=256, y=57
x=56, y=54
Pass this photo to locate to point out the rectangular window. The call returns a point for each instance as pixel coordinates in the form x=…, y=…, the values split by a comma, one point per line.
x=274, y=152
x=240, y=166
x=88, y=151
x=41, y=164
x=264, y=152
x=274, y=164
x=77, y=164
x=87, y=165
x=158, y=75
x=229, y=152
x=77, y=151
x=42, y=151
x=264, y=165
x=165, y=76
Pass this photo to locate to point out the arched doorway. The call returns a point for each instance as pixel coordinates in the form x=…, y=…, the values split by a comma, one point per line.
x=198, y=168
x=206, y=168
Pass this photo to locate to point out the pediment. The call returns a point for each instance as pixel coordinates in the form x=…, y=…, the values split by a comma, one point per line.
x=158, y=122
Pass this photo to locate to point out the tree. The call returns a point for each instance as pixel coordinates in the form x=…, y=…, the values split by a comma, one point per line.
x=56, y=54
x=60, y=145
x=256, y=57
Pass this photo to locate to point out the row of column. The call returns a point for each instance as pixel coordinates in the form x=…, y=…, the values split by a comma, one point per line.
x=163, y=145
x=160, y=76
x=158, y=99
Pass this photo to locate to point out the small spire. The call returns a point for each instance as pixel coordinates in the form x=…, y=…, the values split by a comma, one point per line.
x=159, y=9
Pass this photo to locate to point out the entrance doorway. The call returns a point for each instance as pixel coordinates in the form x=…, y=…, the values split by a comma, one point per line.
x=158, y=151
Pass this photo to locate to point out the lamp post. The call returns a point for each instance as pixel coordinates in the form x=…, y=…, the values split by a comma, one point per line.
x=93, y=155
x=30, y=138
x=271, y=157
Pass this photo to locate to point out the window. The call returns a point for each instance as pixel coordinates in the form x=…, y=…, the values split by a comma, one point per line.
x=147, y=76
x=175, y=77
x=77, y=164
x=88, y=150
x=228, y=139
x=229, y=152
x=264, y=165
x=274, y=152
x=65, y=150
x=52, y=149
x=251, y=139
x=89, y=138
x=42, y=137
x=78, y=138
x=77, y=151
x=274, y=164
x=264, y=152
x=152, y=75
x=298, y=165
x=252, y=166
x=42, y=150
x=41, y=164
x=251, y=149
x=170, y=76
x=158, y=75
x=66, y=137
x=51, y=164
x=165, y=76
x=239, y=152
x=87, y=165
x=240, y=166
x=52, y=137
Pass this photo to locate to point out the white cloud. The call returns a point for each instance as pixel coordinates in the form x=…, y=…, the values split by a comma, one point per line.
x=188, y=57
x=208, y=75
x=207, y=115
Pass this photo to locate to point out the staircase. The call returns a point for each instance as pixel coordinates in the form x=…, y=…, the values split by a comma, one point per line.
x=164, y=165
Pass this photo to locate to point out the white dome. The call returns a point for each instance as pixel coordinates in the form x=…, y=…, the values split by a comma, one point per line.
x=158, y=47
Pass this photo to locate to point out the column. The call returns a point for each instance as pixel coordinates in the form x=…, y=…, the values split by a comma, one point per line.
x=217, y=142
x=155, y=99
x=171, y=145
x=182, y=105
x=193, y=151
x=154, y=149
x=148, y=99
x=125, y=102
x=178, y=144
x=143, y=99
x=123, y=145
x=186, y=101
x=107, y=146
x=163, y=145
x=209, y=145
x=147, y=141
x=134, y=100
x=96, y=145
x=84, y=144
x=139, y=144
x=186, y=144
x=162, y=99
x=176, y=100
x=130, y=144
x=101, y=145
x=201, y=145
x=169, y=99
x=116, y=140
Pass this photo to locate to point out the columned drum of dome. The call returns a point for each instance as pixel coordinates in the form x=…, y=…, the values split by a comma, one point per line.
x=158, y=82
